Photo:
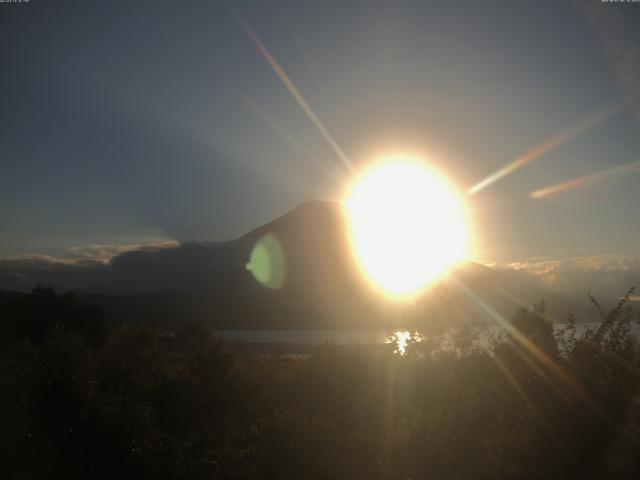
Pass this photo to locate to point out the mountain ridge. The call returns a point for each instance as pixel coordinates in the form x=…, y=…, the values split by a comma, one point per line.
x=323, y=286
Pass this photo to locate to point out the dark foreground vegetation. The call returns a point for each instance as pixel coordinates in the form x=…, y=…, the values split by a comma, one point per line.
x=80, y=401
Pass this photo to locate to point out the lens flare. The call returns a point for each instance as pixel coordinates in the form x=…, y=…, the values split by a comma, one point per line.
x=407, y=226
x=550, y=144
x=267, y=262
x=584, y=180
x=295, y=93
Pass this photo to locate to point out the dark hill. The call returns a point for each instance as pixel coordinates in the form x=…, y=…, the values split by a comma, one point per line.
x=209, y=283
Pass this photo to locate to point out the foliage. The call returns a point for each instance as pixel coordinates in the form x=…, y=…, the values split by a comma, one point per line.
x=523, y=402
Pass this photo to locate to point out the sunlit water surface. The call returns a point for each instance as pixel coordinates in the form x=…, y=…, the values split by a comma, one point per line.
x=400, y=338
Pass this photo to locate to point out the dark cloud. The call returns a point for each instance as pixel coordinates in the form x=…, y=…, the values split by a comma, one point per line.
x=94, y=267
x=200, y=267
x=24, y=272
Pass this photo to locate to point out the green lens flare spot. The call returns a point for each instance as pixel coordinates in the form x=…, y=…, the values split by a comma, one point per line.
x=267, y=263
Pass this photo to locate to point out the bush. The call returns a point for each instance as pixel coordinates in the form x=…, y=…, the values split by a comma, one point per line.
x=524, y=403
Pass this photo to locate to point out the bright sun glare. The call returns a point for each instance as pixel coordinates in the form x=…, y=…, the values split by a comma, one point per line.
x=407, y=225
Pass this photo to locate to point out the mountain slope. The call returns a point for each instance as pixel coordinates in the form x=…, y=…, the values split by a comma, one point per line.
x=323, y=287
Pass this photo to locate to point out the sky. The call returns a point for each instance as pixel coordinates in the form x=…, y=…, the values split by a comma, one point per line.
x=128, y=123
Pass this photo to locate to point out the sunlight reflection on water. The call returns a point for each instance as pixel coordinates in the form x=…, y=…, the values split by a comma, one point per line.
x=402, y=338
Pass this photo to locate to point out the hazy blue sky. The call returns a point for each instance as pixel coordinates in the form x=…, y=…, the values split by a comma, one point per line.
x=137, y=121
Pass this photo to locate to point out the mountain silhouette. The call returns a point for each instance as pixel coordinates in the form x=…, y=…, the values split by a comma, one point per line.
x=321, y=285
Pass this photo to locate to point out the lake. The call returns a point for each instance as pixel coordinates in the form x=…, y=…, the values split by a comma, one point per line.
x=310, y=337
x=334, y=336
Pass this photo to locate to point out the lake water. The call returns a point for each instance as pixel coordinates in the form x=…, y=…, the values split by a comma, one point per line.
x=309, y=337
x=336, y=337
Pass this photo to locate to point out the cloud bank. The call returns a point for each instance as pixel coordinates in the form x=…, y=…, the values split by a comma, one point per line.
x=87, y=267
x=168, y=265
x=604, y=275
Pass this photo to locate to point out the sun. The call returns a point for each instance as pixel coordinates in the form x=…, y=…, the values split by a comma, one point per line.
x=407, y=225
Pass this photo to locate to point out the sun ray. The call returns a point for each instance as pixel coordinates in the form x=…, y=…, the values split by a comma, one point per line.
x=535, y=356
x=555, y=376
x=549, y=145
x=389, y=420
x=289, y=137
x=585, y=180
x=295, y=93
x=523, y=395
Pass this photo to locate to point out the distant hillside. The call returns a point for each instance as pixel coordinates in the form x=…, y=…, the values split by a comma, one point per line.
x=209, y=283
